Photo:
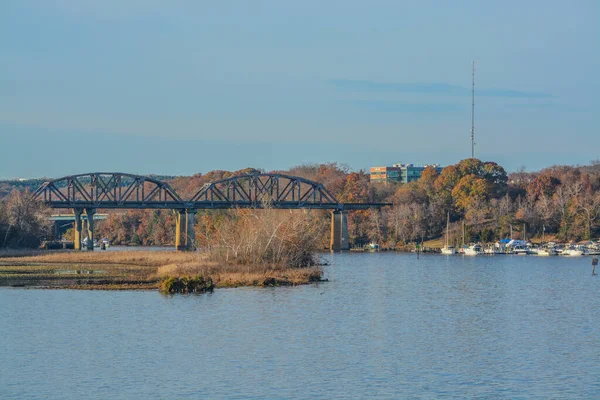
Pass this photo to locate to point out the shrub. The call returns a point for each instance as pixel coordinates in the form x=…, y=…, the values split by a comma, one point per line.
x=186, y=284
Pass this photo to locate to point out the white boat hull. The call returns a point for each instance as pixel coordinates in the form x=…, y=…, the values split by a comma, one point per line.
x=573, y=253
x=448, y=252
x=545, y=253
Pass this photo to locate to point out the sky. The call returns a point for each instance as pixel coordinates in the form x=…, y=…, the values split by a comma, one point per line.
x=189, y=86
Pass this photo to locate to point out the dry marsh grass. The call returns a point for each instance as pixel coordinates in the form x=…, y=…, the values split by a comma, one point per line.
x=233, y=275
x=139, y=270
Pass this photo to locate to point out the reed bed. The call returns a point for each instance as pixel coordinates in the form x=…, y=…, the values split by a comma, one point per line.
x=140, y=270
x=234, y=275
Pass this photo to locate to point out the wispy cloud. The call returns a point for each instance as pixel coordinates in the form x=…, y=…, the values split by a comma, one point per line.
x=428, y=88
x=398, y=107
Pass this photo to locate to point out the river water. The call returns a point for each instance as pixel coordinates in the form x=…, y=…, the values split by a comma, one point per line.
x=385, y=326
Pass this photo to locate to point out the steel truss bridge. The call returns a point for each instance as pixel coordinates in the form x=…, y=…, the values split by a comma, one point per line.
x=115, y=190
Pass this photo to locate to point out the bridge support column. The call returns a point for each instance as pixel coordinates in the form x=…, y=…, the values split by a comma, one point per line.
x=89, y=212
x=179, y=218
x=184, y=232
x=339, y=231
x=77, y=228
x=190, y=232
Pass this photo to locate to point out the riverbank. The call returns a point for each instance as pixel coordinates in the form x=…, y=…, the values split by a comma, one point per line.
x=134, y=270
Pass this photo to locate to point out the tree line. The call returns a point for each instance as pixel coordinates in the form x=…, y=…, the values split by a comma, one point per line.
x=562, y=202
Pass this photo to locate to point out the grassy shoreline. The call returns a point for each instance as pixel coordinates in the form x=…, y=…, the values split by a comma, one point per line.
x=135, y=270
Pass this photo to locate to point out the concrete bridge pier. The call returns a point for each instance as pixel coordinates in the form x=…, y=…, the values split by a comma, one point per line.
x=339, y=231
x=89, y=212
x=77, y=228
x=185, y=235
x=191, y=233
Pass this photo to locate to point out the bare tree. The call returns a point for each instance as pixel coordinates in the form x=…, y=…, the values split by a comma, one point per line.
x=25, y=220
x=269, y=237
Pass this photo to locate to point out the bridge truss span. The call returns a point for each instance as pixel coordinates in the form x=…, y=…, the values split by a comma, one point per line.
x=264, y=190
x=108, y=190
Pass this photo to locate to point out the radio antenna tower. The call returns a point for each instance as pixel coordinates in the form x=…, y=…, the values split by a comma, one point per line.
x=473, y=115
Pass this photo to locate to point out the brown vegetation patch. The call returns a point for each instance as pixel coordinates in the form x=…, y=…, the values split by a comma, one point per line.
x=140, y=270
x=234, y=275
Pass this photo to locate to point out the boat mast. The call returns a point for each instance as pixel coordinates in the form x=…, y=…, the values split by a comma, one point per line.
x=543, y=231
x=473, y=114
x=447, y=223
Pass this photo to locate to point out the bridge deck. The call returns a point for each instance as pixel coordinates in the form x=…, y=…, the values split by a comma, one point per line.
x=210, y=206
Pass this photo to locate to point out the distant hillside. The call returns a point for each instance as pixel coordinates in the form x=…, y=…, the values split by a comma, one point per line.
x=7, y=186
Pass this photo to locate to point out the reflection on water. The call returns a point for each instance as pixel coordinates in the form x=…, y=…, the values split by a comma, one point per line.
x=385, y=326
x=78, y=271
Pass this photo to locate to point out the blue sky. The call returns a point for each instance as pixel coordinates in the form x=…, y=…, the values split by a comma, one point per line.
x=179, y=87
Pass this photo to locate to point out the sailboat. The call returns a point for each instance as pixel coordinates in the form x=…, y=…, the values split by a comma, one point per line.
x=471, y=250
x=546, y=250
x=448, y=250
x=462, y=247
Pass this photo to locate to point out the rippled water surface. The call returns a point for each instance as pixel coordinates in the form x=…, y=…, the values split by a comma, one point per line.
x=385, y=326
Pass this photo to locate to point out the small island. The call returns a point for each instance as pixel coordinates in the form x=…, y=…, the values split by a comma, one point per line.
x=134, y=270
